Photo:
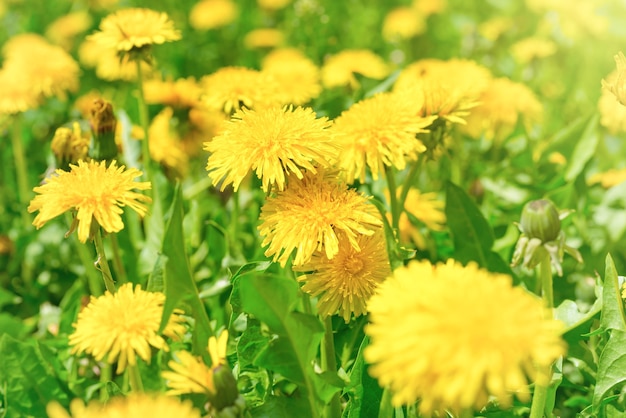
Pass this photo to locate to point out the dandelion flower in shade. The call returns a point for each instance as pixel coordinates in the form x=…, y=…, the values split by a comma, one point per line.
x=107, y=64
x=271, y=142
x=339, y=70
x=308, y=215
x=95, y=191
x=212, y=14
x=379, y=131
x=231, y=88
x=344, y=283
x=121, y=326
x=403, y=23
x=460, y=335
x=263, y=38
x=134, y=28
x=64, y=30
x=134, y=405
x=299, y=76
x=426, y=208
x=165, y=145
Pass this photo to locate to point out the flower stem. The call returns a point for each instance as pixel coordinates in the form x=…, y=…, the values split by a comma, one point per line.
x=118, y=266
x=333, y=410
x=136, y=384
x=386, y=409
x=93, y=282
x=103, y=263
x=143, y=120
x=540, y=395
x=105, y=376
x=20, y=168
x=409, y=180
x=393, y=198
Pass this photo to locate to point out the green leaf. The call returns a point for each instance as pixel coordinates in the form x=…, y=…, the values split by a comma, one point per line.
x=179, y=284
x=612, y=316
x=611, y=367
x=471, y=233
x=364, y=392
x=584, y=150
x=27, y=379
x=279, y=407
x=251, y=343
x=577, y=325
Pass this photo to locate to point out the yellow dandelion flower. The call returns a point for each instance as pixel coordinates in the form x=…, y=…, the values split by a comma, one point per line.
x=263, y=38
x=119, y=327
x=190, y=374
x=557, y=158
x=134, y=28
x=345, y=283
x=616, y=83
x=403, y=23
x=299, y=76
x=502, y=104
x=134, y=405
x=17, y=95
x=108, y=65
x=273, y=143
x=231, y=88
x=309, y=213
x=426, y=208
x=184, y=92
x=460, y=335
x=212, y=14
x=608, y=178
x=495, y=27
x=273, y=4
x=95, y=191
x=165, y=145
x=429, y=7
x=339, y=70
x=63, y=31
x=532, y=48
x=70, y=145
x=612, y=112
x=379, y=131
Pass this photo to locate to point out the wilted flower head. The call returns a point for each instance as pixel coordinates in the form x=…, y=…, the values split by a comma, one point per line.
x=339, y=70
x=95, y=191
x=70, y=145
x=212, y=14
x=274, y=143
x=403, y=23
x=308, y=215
x=452, y=336
x=299, y=76
x=121, y=326
x=542, y=234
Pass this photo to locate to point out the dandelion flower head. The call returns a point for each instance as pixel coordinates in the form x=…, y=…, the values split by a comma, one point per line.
x=345, y=283
x=70, y=145
x=134, y=28
x=134, y=405
x=263, y=38
x=616, y=83
x=308, y=215
x=107, y=63
x=273, y=143
x=460, y=335
x=339, y=70
x=532, y=48
x=17, y=95
x=426, y=208
x=64, y=30
x=95, y=191
x=273, y=4
x=121, y=326
x=379, y=131
x=299, y=76
x=612, y=112
x=403, y=23
x=183, y=92
x=212, y=14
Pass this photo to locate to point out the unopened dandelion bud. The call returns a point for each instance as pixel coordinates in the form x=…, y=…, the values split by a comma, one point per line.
x=540, y=219
x=69, y=146
x=103, y=124
x=226, y=393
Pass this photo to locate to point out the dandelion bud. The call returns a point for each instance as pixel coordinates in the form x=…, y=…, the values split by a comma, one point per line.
x=69, y=146
x=103, y=124
x=540, y=219
x=226, y=393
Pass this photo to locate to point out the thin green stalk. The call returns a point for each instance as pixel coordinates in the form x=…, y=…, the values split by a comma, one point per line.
x=105, y=376
x=386, y=409
x=93, y=281
x=118, y=266
x=136, y=384
x=20, y=168
x=393, y=198
x=143, y=120
x=540, y=395
x=333, y=410
x=103, y=263
x=466, y=413
x=409, y=180
x=233, y=227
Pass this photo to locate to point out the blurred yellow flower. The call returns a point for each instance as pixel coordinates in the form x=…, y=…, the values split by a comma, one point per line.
x=557, y=158
x=165, y=144
x=121, y=326
x=273, y=143
x=612, y=112
x=273, y=4
x=263, y=38
x=308, y=215
x=345, y=283
x=108, y=65
x=134, y=28
x=403, y=23
x=70, y=145
x=183, y=92
x=379, y=131
x=299, y=76
x=64, y=30
x=616, y=82
x=17, y=95
x=460, y=335
x=529, y=49
x=429, y=7
x=495, y=27
x=231, y=88
x=426, y=208
x=212, y=14
x=608, y=178
x=339, y=70
x=95, y=191
x=203, y=125
x=502, y=104
x=134, y=405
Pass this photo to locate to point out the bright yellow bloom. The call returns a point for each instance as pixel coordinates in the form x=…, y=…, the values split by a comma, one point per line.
x=273, y=4
x=95, y=191
x=273, y=143
x=184, y=92
x=212, y=14
x=309, y=213
x=190, y=374
x=231, y=88
x=452, y=336
x=379, y=131
x=70, y=145
x=63, y=31
x=17, y=95
x=263, y=38
x=529, y=49
x=403, y=23
x=616, y=83
x=612, y=112
x=426, y=208
x=502, y=104
x=135, y=28
x=608, y=178
x=345, y=283
x=299, y=76
x=165, y=145
x=339, y=70
x=134, y=405
x=121, y=326
x=108, y=65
